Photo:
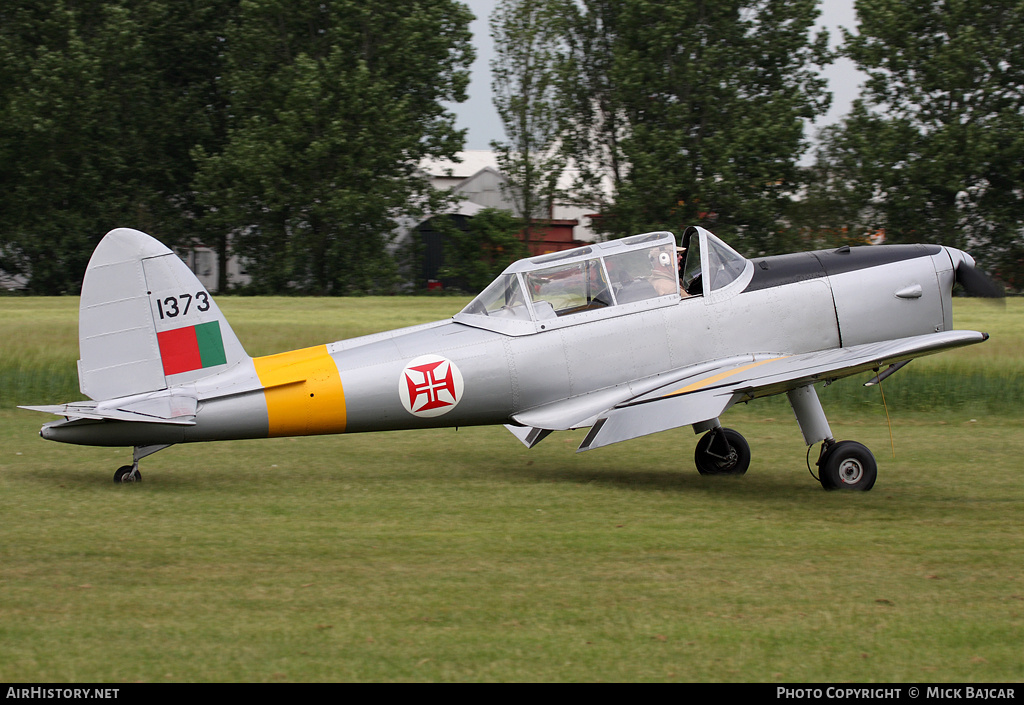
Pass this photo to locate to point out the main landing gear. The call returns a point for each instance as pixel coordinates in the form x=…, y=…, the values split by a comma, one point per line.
x=842, y=465
x=722, y=451
x=846, y=465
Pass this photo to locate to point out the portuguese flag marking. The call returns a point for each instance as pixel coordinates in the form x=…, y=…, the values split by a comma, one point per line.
x=191, y=348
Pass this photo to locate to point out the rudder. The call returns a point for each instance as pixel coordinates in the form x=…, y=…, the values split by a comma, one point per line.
x=146, y=322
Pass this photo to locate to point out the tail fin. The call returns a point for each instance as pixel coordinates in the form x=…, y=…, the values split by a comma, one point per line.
x=146, y=322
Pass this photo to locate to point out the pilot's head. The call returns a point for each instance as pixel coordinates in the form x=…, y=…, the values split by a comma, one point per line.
x=661, y=257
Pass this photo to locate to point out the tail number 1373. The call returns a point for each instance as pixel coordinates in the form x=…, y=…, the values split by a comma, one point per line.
x=174, y=306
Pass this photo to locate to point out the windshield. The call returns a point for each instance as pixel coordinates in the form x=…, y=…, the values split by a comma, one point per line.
x=691, y=274
x=503, y=298
x=724, y=264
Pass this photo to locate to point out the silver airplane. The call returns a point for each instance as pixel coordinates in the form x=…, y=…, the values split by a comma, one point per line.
x=626, y=338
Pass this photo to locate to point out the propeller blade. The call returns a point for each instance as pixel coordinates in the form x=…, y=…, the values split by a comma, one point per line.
x=977, y=283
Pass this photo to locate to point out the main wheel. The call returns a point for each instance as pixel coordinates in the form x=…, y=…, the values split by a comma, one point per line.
x=722, y=451
x=124, y=474
x=847, y=465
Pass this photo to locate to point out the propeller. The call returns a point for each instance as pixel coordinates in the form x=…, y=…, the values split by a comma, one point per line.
x=977, y=283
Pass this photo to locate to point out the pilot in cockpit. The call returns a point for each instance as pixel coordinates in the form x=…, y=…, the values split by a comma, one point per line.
x=680, y=266
x=663, y=276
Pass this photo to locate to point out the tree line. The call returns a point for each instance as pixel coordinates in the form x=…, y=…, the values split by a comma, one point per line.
x=294, y=126
x=297, y=127
x=696, y=112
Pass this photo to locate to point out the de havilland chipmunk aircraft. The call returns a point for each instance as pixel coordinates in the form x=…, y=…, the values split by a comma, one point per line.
x=626, y=338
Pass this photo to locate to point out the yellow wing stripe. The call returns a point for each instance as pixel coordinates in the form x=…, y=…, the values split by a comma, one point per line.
x=303, y=392
x=719, y=377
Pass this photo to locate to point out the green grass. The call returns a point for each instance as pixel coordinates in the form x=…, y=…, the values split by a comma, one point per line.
x=462, y=556
x=40, y=345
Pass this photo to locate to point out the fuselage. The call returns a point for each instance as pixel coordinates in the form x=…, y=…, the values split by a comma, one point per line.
x=484, y=366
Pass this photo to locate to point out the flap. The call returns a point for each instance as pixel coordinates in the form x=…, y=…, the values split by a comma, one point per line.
x=583, y=410
x=622, y=424
x=529, y=437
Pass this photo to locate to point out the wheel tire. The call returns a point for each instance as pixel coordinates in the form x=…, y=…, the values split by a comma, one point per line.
x=124, y=474
x=713, y=458
x=848, y=465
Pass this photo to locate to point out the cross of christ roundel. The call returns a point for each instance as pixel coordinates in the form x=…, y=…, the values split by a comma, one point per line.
x=430, y=385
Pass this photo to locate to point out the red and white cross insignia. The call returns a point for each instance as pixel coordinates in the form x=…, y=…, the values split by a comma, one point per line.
x=430, y=385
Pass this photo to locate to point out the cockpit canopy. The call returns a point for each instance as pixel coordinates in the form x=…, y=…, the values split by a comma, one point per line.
x=600, y=280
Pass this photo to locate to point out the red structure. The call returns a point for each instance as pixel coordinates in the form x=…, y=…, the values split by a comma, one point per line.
x=551, y=235
x=546, y=236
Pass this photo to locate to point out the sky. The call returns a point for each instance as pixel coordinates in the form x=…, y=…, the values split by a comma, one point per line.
x=478, y=115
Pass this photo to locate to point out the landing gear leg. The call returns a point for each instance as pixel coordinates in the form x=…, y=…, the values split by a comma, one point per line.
x=846, y=465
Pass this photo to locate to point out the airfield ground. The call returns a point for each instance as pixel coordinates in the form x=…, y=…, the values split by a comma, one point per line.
x=461, y=556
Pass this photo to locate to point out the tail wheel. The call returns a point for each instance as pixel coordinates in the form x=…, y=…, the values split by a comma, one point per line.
x=722, y=451
x=847, y=465
x=125, y=474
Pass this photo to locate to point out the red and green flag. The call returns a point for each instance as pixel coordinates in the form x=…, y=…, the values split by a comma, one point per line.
x=191, y=348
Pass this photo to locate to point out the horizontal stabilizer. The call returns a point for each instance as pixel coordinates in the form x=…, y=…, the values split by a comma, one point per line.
x=165, y=408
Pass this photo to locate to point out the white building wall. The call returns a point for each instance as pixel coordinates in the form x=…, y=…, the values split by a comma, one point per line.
x=478, y=180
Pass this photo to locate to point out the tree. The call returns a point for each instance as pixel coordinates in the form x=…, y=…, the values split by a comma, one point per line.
x=100, y=102
x=934, y=150
x=528, y=45
x=592, y=134
x=333, y=105
x=702, y=110
x=477, y=254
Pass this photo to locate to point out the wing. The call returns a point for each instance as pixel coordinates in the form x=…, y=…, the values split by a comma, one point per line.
x=703, y=392
x=583, y=410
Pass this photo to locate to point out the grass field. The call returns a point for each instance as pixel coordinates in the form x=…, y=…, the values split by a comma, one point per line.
x=462, y=556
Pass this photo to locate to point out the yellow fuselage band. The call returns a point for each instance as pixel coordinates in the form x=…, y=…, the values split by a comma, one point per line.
x=303, y=392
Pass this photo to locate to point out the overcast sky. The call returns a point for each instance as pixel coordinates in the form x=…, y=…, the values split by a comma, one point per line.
x=479, y=116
